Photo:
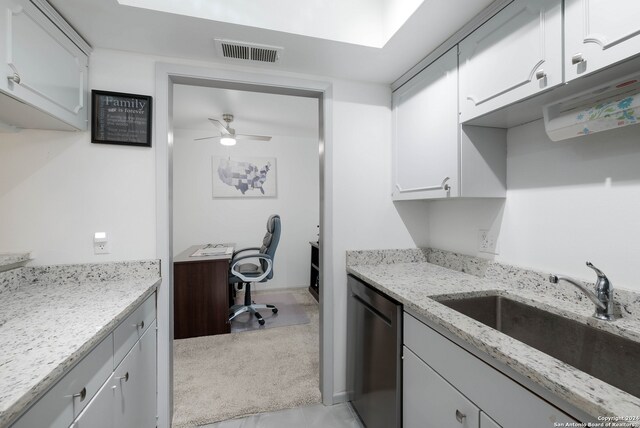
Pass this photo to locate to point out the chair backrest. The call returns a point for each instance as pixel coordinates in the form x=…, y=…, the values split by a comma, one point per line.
x=270, y=241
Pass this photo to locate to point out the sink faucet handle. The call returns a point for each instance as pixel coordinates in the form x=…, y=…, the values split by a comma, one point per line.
x=597, y=271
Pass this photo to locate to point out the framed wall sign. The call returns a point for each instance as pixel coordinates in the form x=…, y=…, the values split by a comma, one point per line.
x=119, y=118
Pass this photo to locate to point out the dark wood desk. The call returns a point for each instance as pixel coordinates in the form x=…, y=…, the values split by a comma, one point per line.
x=314, y=275
x=200, y=294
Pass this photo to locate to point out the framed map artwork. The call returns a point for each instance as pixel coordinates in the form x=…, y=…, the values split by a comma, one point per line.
x=244, y=177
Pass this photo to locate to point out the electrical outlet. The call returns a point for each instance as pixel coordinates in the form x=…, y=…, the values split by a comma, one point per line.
x=101, y=243
x=102, y=248
x=487, y=241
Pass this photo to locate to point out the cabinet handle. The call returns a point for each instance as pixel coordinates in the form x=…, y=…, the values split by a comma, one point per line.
x=15, y=78
x=540, y=74
x=577, y=59
x=125, y=377
x=82, y=394
x=141, y=325
x=460, y=416
x=444, y=186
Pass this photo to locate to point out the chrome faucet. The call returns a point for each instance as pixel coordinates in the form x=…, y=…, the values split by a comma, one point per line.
x=602, y=297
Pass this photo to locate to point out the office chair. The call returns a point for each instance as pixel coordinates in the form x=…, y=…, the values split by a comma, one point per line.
x=246, y=273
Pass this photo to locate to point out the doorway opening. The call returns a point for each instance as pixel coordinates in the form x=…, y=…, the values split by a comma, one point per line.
x=167, y=77
x=222, y=198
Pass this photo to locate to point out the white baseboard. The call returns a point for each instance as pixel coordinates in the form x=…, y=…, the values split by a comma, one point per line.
x=340, y=397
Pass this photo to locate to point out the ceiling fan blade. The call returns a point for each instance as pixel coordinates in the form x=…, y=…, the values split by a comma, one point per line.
x=223, y=129
x=252, y=137
x=206, y=138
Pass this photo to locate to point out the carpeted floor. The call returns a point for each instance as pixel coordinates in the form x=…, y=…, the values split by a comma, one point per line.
x=227, y=376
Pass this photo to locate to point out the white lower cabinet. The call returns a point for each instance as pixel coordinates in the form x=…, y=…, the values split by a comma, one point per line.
x=128, y=398
x=487, y=422
x=135, y=403
x=446, y=386
x=65, y=401
x=99, y=413
x=95, y=395
x=429, y=401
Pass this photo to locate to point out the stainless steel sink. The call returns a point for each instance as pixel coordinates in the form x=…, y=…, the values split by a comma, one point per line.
x=603, y=355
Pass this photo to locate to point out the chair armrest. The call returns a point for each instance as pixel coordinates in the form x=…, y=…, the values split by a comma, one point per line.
x=235, y=253
x=266, y=272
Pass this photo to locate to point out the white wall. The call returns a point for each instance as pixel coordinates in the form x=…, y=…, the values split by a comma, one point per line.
x=198, y=218
x=57, y=189
x=567, y=202
x=364, y=216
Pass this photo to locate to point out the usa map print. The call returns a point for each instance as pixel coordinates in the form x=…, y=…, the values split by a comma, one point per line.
x=244, y=177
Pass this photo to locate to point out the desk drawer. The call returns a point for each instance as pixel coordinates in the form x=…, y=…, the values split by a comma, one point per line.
x=58, y=407
x=132, y=329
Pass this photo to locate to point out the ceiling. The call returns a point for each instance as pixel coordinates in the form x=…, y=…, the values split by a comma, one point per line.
x=255, y=113
x=108, y=24
x=361, y=22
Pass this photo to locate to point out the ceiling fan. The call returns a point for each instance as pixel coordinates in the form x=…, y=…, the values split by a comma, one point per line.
x=228, y=135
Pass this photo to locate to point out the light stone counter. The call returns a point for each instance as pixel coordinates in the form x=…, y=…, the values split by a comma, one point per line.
x=412, y=278
x=13, y=260
x=52, y=316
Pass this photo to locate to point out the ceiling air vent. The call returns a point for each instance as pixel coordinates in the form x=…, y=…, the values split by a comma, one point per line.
x=248, y=51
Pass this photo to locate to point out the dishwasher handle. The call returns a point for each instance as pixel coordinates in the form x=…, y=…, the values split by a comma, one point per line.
x=378, y=303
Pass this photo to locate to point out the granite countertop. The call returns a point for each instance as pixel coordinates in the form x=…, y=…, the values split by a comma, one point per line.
x=414, y=280
x=13, y=260
x=51, y=317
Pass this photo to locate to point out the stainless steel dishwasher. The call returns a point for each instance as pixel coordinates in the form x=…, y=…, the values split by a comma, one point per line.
x=374, y=347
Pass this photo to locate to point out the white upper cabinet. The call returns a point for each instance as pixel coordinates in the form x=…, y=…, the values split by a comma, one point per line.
x=599, y=33
x=433, y=156
x=425, y=132
x=42, y=67
x=514, y=55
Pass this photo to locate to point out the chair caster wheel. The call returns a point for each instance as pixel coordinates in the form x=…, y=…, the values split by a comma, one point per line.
x=261, y=322
x=274, y=310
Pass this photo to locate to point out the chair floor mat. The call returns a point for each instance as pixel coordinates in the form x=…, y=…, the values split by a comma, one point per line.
x=290, y=312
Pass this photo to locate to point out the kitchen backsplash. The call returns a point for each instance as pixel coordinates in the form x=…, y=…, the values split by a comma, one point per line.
x=77, y=273
x=627, y=302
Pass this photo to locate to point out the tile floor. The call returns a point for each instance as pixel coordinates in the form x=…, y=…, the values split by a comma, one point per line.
x=316, y=416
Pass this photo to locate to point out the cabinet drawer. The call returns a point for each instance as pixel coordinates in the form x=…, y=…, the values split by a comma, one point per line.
x=62, y=403
x=505, y=400
x=132, y=329
x=430, y=402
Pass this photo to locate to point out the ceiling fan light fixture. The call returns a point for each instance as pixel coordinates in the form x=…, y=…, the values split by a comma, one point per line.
x=228, y=141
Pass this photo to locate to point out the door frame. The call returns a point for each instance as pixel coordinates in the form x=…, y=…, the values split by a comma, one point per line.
x=167, y=75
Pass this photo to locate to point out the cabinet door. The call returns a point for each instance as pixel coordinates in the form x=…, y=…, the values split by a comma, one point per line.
x=66, y=400
x=600, y=33
x=430, y=402
x=99, y=412
x=46, y=69
x=425, y=128
x=135, y=403
x=514, y=55
x=487, y=422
